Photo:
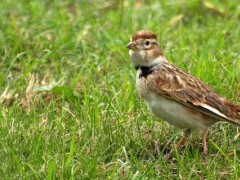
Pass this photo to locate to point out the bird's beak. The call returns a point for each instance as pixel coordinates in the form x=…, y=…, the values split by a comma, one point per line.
x=132, y=45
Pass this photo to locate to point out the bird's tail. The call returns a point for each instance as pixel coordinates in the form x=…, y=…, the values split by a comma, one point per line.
x=235, y=113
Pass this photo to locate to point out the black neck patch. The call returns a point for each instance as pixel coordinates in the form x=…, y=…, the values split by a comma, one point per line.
x=146, y=70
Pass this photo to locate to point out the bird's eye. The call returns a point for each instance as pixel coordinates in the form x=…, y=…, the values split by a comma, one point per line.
x=147, y=43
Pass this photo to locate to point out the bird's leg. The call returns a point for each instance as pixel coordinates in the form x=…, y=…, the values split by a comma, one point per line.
x=185, y=135
x=181, y=142
x=205, y=149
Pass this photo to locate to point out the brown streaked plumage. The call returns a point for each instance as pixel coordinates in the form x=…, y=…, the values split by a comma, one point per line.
x=174, y=95
x=173, y=83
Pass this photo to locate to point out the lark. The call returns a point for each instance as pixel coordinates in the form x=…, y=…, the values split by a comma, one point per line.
x=174, y=95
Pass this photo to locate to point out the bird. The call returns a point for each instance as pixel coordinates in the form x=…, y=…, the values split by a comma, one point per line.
x=174, y=95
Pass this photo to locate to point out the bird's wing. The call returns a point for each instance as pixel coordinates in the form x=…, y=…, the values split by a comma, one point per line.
x=177, y=85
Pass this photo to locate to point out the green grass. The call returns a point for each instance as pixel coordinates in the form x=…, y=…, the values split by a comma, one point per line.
x=69, y=108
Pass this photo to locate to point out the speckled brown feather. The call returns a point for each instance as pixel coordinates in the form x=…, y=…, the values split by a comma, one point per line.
x=175, y=84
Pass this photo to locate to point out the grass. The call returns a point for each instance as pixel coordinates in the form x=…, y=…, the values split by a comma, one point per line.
x=69, y=108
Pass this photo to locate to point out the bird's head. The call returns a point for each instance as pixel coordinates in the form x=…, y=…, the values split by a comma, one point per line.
x=144, y=48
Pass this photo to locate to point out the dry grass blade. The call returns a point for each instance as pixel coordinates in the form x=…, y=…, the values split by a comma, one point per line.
x=214, y=9
x=7, y=97
x=176, y=19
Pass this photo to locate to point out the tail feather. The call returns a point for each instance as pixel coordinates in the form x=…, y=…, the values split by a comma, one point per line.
x=235, y=113
x=238, y=111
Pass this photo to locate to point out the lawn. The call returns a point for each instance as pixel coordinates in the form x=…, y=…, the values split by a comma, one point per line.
x=69, y=107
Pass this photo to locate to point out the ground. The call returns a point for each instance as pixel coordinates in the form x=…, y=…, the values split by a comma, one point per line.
x=69, y=107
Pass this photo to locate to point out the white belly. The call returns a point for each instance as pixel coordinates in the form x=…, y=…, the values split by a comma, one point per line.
x=173, y=112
